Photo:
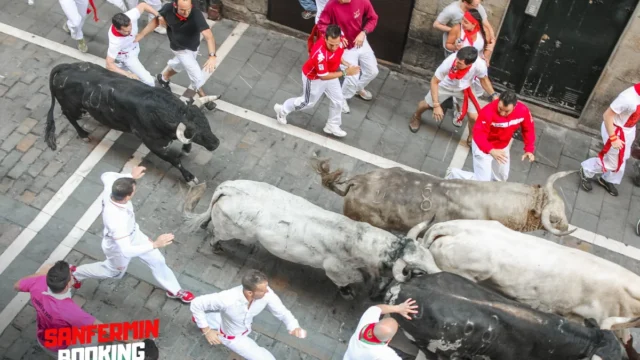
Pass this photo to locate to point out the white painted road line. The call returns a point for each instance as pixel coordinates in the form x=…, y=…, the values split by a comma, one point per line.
x=61, y=251
x=30, y=232
x=317, y=139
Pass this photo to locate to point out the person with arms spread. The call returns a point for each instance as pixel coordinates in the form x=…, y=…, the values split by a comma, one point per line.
x=493, y=136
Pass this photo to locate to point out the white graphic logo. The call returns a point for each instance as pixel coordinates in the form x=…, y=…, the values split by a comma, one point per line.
x=320, y=57
x=321, y=67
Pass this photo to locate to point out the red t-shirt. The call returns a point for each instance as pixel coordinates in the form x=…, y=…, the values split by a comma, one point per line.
x=321, y=62
x=493, y=131
x=352, y=17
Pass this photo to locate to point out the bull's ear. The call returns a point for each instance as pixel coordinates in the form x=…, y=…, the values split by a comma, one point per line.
x=591, y=323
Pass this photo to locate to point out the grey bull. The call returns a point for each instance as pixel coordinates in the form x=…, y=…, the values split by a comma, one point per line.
x=397, y=200
x=296, y=230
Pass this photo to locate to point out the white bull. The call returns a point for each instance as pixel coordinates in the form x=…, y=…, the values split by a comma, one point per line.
x=296, y=230
x=540, y=273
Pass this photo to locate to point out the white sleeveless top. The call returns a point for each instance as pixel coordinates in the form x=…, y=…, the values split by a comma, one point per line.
x=478, y=44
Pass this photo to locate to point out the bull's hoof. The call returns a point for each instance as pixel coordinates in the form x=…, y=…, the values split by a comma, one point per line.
x=193, y=182
x=210, y=105
x=347, y=293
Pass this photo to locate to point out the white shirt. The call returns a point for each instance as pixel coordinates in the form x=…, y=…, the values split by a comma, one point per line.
x=478, y=44
x=359, y=350
x=626, y=105
x=123, y=45
x=478, y=68
x=120, y=227
x=235, y=312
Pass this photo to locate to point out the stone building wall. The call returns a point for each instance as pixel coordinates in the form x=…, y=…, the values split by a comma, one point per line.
x=423, y=51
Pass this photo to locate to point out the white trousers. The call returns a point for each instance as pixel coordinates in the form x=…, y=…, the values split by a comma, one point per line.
x=76, y=13
x=312, y=91
x=125, y=5
x=595, y=166
x=320, y=4
x=187, y=60
x=116, y=265
x=485, y=167
x=130, y=62
x=366, y=59
x=242, y=345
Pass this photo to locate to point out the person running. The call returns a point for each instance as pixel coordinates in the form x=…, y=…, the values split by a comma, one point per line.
x=231, y=312
x=184, y=28
x=50, y=293
x=493, y=136
x=357, y=19
x=122, y=239
x=122, y=54
x=320, y=75
x=126, y=5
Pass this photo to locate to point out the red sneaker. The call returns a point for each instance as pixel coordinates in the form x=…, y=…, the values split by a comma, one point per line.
x=184, y=296
x=76, y=284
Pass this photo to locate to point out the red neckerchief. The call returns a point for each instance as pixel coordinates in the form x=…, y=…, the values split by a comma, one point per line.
x=470, y=34
x=180, y=17
x=367, y=336
x=458, y=74
x=637, y=87
x=116, y=32
x=95, y=11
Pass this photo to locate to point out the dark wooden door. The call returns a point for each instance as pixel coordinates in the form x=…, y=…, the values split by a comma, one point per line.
x=556, y=58
x=388, y=39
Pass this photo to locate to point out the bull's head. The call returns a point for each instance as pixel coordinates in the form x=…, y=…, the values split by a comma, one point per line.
x=553, y=216
x=415, y=257
x=609, y=345
x=195, y=127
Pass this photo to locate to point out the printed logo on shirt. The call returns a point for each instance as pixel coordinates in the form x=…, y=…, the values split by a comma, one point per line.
x=320, y=57
x=107, y=335
x=321, y=67
x=356, y=14
x=507, y=124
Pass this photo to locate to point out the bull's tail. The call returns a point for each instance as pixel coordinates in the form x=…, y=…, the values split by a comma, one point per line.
x=193, y=222
x=330, y=179
x=50, y=130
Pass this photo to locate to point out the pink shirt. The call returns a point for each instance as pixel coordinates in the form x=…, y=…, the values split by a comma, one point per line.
x=53, y=311
x=350, y=17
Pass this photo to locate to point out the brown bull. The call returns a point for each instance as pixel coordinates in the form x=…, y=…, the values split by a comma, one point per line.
x=397, y=200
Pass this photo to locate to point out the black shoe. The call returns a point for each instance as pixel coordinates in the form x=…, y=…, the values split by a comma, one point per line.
x=585, y=181
x=163, y=84
x=608, y=186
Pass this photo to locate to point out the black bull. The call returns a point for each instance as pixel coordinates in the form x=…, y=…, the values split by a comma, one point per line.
x=154, y=115
x=459, y=319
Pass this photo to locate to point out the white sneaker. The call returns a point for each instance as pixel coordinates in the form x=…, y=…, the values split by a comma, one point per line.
x=65, y=28
x=447, y=175
x=345, y=107
x=161, y=30
x=30, y=2
x=334, y=130
x=281, y=118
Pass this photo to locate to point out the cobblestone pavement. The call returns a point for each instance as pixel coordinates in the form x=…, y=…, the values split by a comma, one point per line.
x=261, y=69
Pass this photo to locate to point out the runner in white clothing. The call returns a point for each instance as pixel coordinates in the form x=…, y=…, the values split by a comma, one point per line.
x=618, y=133
x=232, y=312
x=122, y=239
x=126, y=5
x=453, y=78
x=123, y=51
x=372, y=336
